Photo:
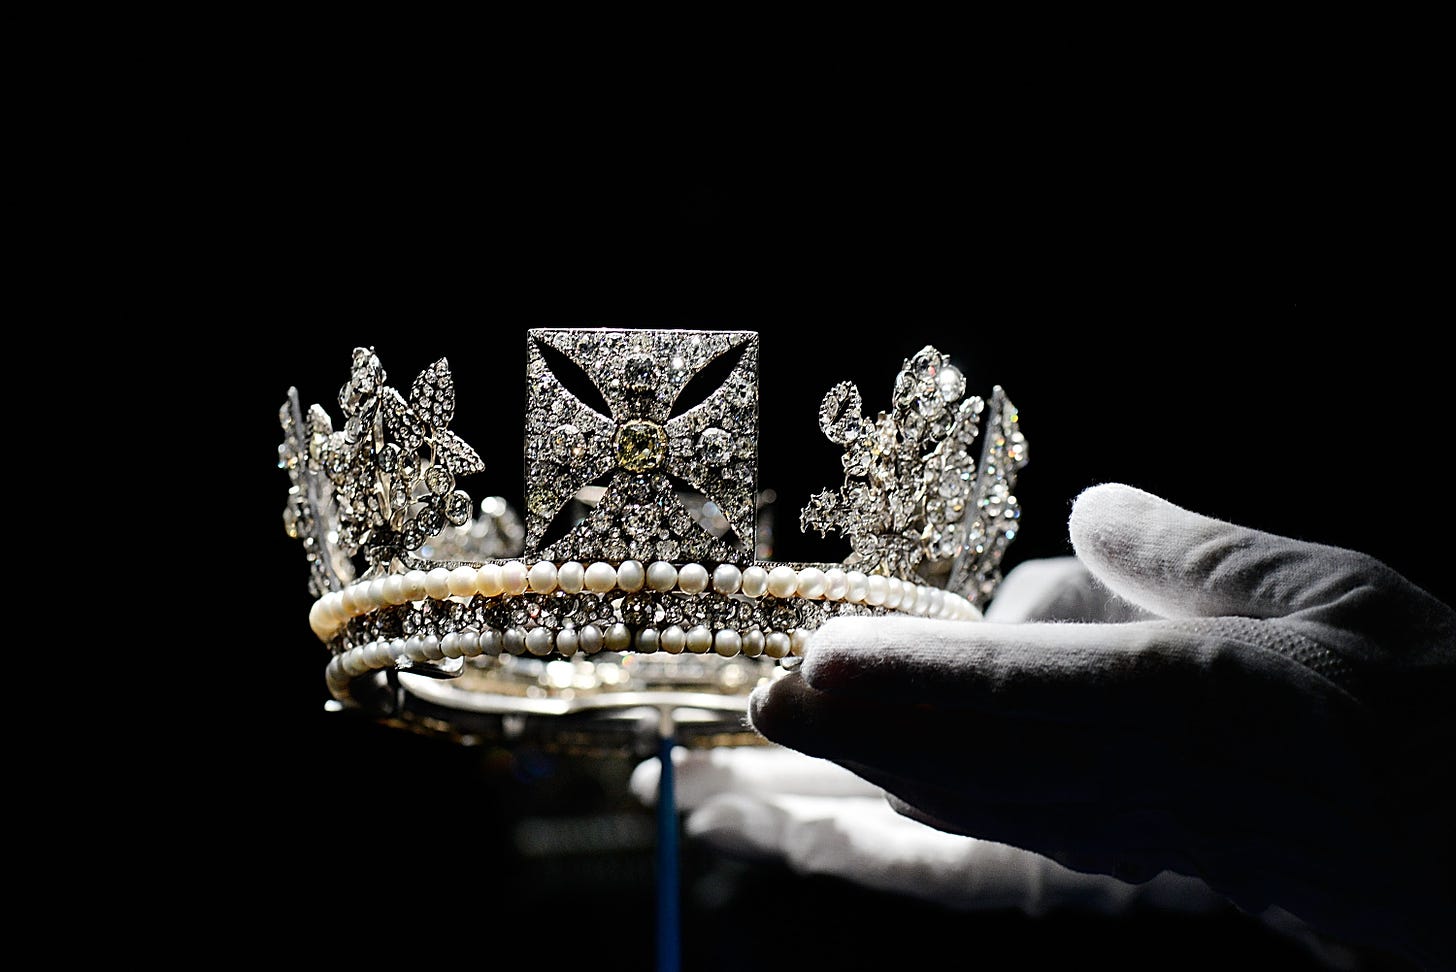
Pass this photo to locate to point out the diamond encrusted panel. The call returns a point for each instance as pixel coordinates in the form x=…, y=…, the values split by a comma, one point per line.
x=713, y=447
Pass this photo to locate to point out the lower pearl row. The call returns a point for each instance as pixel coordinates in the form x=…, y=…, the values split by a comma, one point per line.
x=330, y=612
x=589, y=640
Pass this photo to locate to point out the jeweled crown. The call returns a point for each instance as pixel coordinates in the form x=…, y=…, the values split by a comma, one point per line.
x=640, y=531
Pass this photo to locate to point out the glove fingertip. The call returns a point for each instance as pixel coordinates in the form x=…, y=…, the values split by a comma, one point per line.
x=643, y=783
x=1102, y=517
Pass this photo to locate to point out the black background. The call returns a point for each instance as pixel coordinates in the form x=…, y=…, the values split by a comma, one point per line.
x=1246, y=332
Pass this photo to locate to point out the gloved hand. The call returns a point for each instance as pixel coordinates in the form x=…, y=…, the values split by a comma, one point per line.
x=1284, y=731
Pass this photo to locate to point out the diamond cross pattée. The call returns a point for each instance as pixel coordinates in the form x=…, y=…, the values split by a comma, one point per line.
x=649, y=457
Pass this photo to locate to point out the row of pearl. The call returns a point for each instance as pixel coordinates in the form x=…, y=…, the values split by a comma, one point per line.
x=330, y=612
x=588, y=639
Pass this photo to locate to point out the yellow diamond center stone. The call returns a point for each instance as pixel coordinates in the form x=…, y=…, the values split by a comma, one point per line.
x=641, y=445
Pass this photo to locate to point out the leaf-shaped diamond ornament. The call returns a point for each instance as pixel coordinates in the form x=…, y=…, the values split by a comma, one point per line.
x=433, y=394
x=401, y=421
x=457, y=455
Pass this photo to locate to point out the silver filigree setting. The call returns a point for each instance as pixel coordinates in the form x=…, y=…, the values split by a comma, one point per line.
x=912, y=504
x=640, y=448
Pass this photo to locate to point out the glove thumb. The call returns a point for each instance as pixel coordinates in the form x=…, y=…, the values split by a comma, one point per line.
x=1179, y=564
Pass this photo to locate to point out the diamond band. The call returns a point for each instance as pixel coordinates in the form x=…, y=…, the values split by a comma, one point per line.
x=639, y=534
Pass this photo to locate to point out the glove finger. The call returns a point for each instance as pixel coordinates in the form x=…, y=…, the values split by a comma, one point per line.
x=1138, y=673
x=1179, y=564
x=864, y=840
x=982, y=756
x=1057, y=589
x=753, y=770
x=1232, y=772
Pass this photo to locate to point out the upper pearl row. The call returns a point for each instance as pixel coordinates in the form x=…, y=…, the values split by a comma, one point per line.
x=330, y=612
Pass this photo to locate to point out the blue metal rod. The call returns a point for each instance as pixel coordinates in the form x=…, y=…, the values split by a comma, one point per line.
x=669, y=930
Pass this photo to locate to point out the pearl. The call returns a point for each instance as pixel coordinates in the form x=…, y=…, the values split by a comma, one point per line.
x=836, y=584
x=470, y=642
x=353, y=663
x=376, y=654
x=398, y=649
x=647, y=639
x=776, y=645
x=590, y=639
x=513, y=641
x=542, y=577
x=437, y=584
x=936, y=604
x=910, y=598
x=488, y=580
x=317, y=620
x=566, y=641
x=462, y=581
x=699, y=638
x=798, y=638
x=727, y=579
x=414, y=585
x=692, y=578
x=539, y=641
x=513, y=578
x=727, y=643
x=618, y=637
x=894, y=592
x=783, y=581
x=329, y=611
x=432, y=648
x=351, y=602
x=855, y=582
x=414, y=648
x=376, y=592
x=571, y=577
x=600, y=577
x=877, y=588
x=394, y=589
x=490, y=642
x=450, y=645
x=661, y=576
x=673, y=639
x=755, y=581
x=753, y=643
x=631, y=575
x=812, y=582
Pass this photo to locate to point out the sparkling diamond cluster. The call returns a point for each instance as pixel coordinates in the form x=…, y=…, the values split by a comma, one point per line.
x=911, y=497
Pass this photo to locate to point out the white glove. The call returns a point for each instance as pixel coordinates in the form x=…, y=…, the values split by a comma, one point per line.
x=818, y=818
x=1285, y=731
